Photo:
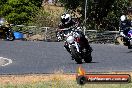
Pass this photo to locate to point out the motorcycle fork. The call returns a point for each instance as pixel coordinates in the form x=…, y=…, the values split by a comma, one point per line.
x=76, y=45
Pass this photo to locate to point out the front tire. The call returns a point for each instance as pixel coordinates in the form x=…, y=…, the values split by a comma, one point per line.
x=76, y=55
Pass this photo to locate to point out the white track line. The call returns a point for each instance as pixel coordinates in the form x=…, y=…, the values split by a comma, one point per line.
x=9, y=61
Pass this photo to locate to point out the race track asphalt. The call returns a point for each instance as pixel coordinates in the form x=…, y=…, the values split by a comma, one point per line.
x=49, y=57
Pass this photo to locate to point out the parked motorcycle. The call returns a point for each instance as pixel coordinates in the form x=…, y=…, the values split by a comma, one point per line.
x=75, y=46
x=6, y=33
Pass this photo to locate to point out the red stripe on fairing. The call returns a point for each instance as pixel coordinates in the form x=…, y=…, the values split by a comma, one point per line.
x=77, y=39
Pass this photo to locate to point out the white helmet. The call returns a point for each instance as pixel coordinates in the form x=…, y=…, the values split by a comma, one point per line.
x=65, y=18
x=123, y=18
x=2, y=20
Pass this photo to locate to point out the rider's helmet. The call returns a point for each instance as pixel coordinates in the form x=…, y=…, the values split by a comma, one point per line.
x=3, y=22
x=65, y=18
x=123, y=18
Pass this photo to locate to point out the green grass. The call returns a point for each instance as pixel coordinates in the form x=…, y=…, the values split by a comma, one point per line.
x=64, y=84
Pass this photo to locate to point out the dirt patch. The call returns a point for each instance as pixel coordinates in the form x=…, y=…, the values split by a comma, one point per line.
x=36, y=37
x=119, y=39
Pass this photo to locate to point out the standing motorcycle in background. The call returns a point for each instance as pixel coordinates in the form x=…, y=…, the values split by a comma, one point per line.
x=75, y=46
x=6, y=33
x=129, y=36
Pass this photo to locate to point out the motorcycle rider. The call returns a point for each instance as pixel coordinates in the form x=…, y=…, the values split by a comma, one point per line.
x=67, y=22
x=4, y=25
x=125, y=23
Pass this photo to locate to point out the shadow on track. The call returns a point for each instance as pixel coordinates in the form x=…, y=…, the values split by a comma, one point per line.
x=129, y=51
x=88, y=63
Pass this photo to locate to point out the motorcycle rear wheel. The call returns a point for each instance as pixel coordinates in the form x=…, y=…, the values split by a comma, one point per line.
x=10, y=37
x=75, y=55
x=130, y=47
x=88, y=58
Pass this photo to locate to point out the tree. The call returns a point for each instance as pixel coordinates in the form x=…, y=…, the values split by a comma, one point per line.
x=19, y=11
x=37, y=3
x=101, y=14
x=71, y=4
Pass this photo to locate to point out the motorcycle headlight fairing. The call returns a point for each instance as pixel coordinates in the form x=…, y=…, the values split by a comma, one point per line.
x=70, y=39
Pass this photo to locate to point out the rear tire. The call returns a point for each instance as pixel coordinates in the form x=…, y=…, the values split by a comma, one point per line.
x=75, y=55
x=130, y=47
x=11, y=36
x=88, y=58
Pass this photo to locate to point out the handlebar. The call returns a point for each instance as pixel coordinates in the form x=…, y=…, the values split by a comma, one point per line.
x=70, y=28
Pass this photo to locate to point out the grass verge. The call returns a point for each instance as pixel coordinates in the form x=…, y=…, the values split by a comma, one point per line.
x=52, y=81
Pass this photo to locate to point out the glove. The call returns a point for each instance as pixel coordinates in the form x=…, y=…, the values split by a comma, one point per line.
x=122, y=34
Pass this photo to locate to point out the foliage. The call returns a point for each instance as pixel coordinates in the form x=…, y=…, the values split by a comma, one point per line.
x=47, y=16
x=19, y=11
x=71, y=4
x=101, y=14
x=37, y=3
x=63, y=84
x=41, y=19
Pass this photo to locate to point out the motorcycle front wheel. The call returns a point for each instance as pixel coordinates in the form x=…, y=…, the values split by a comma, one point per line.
x=76, y=55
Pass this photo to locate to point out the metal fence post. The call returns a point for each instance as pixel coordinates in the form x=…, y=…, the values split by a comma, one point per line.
x=85, y=15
